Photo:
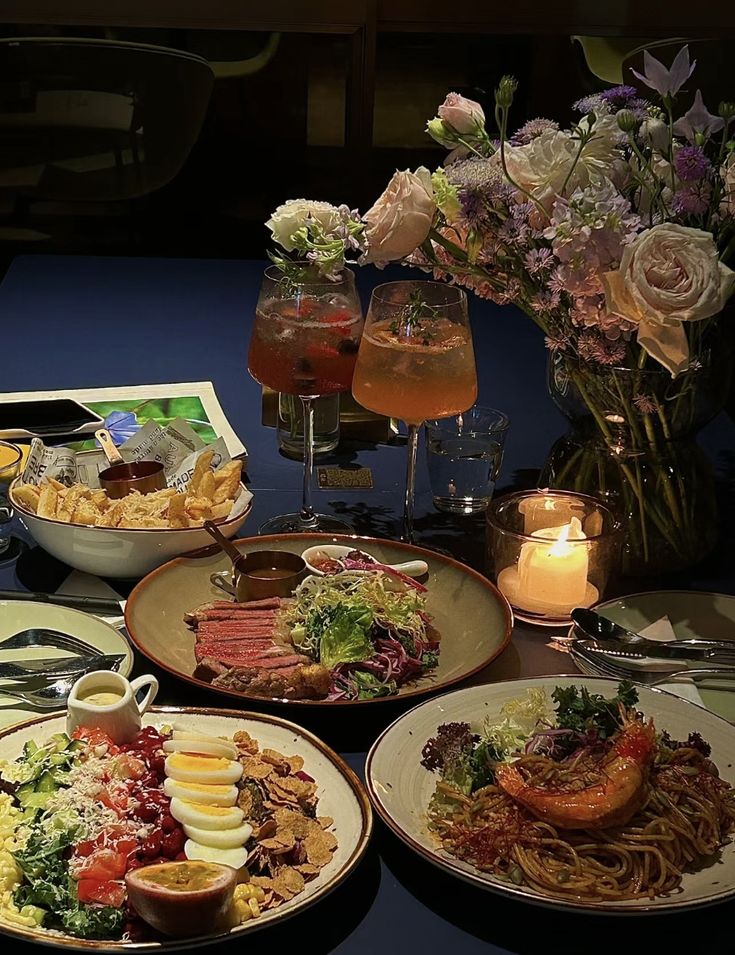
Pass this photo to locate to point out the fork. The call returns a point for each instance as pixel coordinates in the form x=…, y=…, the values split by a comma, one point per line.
x=48, y=698
x=40, y=637
x=604, y=667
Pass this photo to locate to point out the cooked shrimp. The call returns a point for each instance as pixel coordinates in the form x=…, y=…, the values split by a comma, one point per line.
x=611, y=802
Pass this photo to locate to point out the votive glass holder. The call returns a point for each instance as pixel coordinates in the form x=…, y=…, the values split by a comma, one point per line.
x=551, y=551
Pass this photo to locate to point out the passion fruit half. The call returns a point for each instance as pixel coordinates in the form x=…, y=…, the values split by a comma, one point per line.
x=183, y=899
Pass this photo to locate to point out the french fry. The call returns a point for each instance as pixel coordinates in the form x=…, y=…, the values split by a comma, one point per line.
x=100, y=499
x=206, y=486
x=57, y=485
x=228, y=485
x=27, y=496
x=177, y=516
x=203, y=464
x=47, y=501
x=199, y=508
x=84, y=513
x=220, y=511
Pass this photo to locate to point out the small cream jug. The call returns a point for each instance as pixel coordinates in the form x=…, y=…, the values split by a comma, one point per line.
x=106, y=700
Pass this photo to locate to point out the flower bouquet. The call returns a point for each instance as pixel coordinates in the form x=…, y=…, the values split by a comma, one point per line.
x=613, y=237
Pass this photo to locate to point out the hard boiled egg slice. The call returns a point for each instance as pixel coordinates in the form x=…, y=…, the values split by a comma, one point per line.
x=220, y=838
x=201, y=793
x=201, y=746
x=236, y=858
x=206, y=817
x=202, y=769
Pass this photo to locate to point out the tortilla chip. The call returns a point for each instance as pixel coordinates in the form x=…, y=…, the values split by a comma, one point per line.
x=203, y=464
x=47, y=500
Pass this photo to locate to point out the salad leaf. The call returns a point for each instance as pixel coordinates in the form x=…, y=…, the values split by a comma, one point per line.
x=370, y=687
x=590, y=713
x=93, y=921
x=344, y=635
x=520, y=718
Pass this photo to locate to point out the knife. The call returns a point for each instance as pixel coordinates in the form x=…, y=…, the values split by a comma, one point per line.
x=59, y=666
x=671, y=650
x=99, y=605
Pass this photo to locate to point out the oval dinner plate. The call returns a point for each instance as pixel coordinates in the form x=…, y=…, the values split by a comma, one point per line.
x=400, y=787
x=341, y=796
x=16, y=615
x=472, y=617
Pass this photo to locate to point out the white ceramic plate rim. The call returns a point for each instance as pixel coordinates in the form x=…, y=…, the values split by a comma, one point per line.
x=445, y=862
x=69, y=943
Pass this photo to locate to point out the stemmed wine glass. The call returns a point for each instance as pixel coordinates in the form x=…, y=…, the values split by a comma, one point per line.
x=304, y=342
x=415, y=362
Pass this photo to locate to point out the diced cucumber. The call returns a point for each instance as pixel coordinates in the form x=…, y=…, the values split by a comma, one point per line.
x=46, y=783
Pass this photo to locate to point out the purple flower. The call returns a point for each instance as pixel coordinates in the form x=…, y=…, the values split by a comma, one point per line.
x=691, y=163
x=556, y=343
x=697, y=119
x=538, y=260
x=530, y=130
x=545, y=301
x=666, y=82
x=619, y=96
x=691, y=200
x=121, y=425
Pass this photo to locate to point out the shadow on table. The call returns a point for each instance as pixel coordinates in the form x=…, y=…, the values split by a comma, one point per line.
x=515, y=926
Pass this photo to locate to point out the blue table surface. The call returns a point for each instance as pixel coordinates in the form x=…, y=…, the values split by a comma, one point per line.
x=77, y=322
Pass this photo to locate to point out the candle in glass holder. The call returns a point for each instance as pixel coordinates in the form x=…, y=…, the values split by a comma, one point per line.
x=551, y=576
x=547, y=510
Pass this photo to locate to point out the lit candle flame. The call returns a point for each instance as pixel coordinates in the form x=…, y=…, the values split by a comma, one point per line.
x=561, y=545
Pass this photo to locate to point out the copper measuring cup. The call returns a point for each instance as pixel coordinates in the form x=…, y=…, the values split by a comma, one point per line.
x=121, y=478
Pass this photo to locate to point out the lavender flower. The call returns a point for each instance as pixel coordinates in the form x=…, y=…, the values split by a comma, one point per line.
x=619, y=96
x=530, y=130
x=666, y=82
x=538, y=260
x=691, y=200
x=697, y=119
x=545, y=301
x=480, y=186
x=691, y=163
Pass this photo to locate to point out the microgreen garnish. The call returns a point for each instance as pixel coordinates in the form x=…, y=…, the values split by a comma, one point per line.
x=415, y=315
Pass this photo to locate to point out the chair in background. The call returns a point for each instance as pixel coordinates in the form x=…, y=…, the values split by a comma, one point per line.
x=88, y=120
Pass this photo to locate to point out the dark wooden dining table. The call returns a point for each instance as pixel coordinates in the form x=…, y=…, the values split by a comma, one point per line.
x=80, y=322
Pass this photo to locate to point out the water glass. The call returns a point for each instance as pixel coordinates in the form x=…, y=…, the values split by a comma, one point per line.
x=291, y=425
x=464, y=454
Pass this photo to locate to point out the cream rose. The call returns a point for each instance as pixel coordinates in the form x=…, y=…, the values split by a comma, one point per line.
x=401, y=218
x=293, y=215
x=548, y=164
x=464, y=115
x=669, y=275
x=728, y=198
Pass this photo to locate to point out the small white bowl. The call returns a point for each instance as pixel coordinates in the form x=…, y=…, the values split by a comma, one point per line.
x=411, y=568
x=129, y=552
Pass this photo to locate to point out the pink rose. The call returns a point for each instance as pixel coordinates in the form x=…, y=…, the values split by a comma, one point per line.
x=464, y=115
x=401, y=218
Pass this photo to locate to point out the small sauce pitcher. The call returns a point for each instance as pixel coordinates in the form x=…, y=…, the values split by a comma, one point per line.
x=106, y=700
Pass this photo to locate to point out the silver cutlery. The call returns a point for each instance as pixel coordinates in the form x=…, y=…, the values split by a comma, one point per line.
x=49, y=697
x=662, y=650
x=103, y=606
x=600, y=666
x=60, y=666
x=41, y=637
x=599, y=628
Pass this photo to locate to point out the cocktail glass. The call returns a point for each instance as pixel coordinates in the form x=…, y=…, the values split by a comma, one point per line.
x=416, y=362
x=304, y=342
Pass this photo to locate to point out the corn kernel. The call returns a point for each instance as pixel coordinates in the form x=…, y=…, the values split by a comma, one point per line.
x=254, y=908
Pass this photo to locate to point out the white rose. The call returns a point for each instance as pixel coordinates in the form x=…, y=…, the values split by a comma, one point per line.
x=655, y=132
x=401, y=218
x=728, y=197
x=668, y=275
x=293, y=215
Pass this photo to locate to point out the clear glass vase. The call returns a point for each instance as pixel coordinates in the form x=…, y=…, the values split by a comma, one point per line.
x=633, y=445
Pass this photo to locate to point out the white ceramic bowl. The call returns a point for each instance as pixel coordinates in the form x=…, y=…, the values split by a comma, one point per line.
x=121, y=551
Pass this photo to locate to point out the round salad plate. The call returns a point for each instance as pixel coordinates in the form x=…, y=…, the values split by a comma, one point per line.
x=400, y=787
x=471, y=616
x=340, y=795
x=17, y=615
x=690, y=613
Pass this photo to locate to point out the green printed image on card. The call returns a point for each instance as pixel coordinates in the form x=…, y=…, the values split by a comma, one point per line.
x=124, y=417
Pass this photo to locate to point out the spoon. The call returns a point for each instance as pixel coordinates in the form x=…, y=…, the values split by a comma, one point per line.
x=601, y=628
x=411, y=568
x=224, y=544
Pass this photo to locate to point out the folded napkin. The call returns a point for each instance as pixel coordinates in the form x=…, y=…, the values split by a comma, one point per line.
x=662, y=630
